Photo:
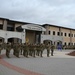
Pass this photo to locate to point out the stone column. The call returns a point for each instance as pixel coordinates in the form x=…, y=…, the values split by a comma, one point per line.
x=5, y=25
x=47, y=30
x=23, y=36
x=6, y=40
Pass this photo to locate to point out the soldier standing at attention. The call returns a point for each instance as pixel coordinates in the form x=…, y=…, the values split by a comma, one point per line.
x=14, y=49
x=21, y=49
x=48, y=49
x=18, y=47
x=52, y=49
x=25, y=50
x=33, y=50
x=42, y=49
x=8, y=48
x=1, y=47
x=38, y=49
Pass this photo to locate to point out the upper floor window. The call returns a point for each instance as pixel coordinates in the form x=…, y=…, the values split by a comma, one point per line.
x=10, y=27
x=61, y=33
x=72, y=35
x=49, y=32
x=1, y=26
x=65, y=34
x=53, y=32
x=58, y=33
x=69, y=34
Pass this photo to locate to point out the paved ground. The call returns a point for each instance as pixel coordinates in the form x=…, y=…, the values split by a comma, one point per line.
x=59, y=64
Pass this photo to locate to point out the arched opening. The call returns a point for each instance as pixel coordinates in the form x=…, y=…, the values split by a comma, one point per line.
x=47, y=42
x=1, y=39
x=58, y=43
x=14, y=40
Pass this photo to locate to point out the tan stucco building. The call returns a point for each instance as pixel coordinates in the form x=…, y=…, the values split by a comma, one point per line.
x=16, y=31
x=59, y=34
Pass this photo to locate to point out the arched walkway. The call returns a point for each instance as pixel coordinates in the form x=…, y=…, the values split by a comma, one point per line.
x=47, y=41
x=9, y=35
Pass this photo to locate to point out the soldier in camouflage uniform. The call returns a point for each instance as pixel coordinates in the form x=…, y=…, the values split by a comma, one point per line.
x=48, y=49
x=8, y=48
x=42, y=47
x=21, y=51
x=33, y=50
x=1, y=47
x=37, y=49
x=52, y=49
x=30, y=49
x=25, y=50
x=14, y=48
x=18, y=48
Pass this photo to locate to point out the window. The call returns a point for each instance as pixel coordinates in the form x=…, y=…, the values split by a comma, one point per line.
x=65, y=43
x=58, y=33
x=65, y=34
x=49, y=32
x=10, y=27
x=1, y=26
x=61, y=33
x=53, y=32
x=69, y=44
x=69, y=34
x=72, y=35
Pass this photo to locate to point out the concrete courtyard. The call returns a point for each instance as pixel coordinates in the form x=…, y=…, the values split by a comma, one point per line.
x=59, y=64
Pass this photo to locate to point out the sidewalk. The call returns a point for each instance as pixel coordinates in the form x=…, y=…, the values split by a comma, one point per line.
x=53, y=65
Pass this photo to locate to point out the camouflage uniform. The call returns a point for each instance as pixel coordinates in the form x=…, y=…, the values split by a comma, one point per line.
x=14, y=48
x=38, y=49
x=8, y=48
x=48, y=49
x=1, y=47
x=21, y=51
x=30, y=50
x=18, y=48
x=25, y=50
x=52, y=49
x=33, y=50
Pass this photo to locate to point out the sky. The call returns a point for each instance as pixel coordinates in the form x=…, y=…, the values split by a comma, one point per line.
x=56, y=12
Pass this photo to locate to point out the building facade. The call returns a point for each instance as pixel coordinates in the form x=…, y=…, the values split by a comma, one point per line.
x=16, y=31
x=58, y=34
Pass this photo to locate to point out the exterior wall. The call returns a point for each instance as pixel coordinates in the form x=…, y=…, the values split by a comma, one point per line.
x=31, y=35
x=73, y=38
x=1, y=21
x=47, y=29
x=50, y=37
x=9, y=34
x=17, y=25
x=66, y=38
x=5, y=25
x=56, y=29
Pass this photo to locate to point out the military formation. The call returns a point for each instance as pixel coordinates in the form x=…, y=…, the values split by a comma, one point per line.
x=26, y=49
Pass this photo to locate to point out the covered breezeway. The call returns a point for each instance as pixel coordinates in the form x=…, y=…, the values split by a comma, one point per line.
x=52, y=39
x=8, y=36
